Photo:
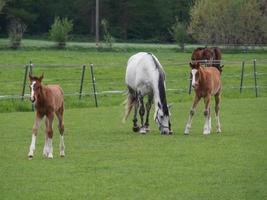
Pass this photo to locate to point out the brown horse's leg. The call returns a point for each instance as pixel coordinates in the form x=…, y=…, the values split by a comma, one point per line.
x=49, y=128
x=217, y=111
x=207, y=125
x=35, y=128
x=61, y=130
x=192, y=112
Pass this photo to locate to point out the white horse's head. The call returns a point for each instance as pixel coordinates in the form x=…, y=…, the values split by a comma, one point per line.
x=162, y=119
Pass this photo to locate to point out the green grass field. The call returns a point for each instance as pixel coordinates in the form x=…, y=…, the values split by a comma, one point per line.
x=105, y=160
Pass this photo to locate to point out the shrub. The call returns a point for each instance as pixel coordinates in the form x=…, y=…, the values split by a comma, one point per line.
x=16, y=30
x=59, y=31
x=178, y=33
x=107, y=35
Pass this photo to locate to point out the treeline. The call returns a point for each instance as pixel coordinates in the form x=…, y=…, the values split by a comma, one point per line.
x=127, y=19
x=183, y=21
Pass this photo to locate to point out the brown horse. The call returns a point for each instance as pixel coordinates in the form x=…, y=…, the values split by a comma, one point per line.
x=206, y=82
x=209, y=56
x=47, y=100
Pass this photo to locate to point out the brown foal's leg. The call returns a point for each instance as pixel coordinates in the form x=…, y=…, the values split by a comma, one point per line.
x=217, y=111
x=46, y=148
x=49, y=128
x=191, y=114
x=35, y=128
x=207, y=125
x=61, y=130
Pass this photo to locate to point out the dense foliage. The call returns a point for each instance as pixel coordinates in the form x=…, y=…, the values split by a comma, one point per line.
x=128, y=20
x=229, y=22
x=203, y=21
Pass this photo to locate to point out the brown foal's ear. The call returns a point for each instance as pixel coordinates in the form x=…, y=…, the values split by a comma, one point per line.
x=41, y=77
x=30, y=76
x=190, y=64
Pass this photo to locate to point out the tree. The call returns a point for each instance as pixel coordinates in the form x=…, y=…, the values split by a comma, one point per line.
x=2, y=4
x=178, y=32
x=228, y=22
x=59, y=31
x=107, y=36
x=15, y=32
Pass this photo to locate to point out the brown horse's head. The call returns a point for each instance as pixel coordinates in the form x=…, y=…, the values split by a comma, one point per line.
x=197, y=53
x=195, y=74
x=35, y=86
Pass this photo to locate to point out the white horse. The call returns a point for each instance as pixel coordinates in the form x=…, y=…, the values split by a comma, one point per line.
x=145, y=76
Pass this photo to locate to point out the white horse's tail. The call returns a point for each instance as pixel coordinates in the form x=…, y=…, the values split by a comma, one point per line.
x=129, y=103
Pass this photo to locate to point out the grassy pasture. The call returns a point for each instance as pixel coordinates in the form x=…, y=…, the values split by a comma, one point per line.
x=105, y=160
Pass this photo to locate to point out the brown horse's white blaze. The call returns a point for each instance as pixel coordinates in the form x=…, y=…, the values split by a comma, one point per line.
x=206, y=82
x=47, y=100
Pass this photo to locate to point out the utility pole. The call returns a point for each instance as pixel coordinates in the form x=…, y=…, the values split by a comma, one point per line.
x=97, y=22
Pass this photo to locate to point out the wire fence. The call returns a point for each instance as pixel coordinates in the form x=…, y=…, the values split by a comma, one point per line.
x=78, y=82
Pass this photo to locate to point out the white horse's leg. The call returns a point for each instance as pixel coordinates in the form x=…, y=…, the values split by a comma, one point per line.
x=34, y=135
x=191, y=114
x=142, y=113
x=148, y=107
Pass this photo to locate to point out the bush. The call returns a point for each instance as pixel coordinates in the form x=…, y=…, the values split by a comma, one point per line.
x=16, y=30
x=59, y=31
x=178, y=33
x=107, y=35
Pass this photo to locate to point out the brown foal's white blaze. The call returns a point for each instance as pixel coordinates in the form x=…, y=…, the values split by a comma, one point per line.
x=194, y=78
x=32, y=95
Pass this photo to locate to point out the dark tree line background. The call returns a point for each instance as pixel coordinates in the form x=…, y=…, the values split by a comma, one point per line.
x=202, y=21
x=128, y=19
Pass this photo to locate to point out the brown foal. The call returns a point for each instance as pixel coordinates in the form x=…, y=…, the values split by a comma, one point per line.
x=206, y=82
x=47, y=100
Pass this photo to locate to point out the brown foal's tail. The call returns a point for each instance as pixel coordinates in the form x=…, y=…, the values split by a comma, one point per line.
x=129, y=103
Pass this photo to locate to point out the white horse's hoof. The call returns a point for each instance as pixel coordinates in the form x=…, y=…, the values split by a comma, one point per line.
x=142, y=130
x=30, y=157
x=219, y=130
x=30, y=154
x=50, y=156
x=186, y=131
x=206, y=132
x=147, y=129
x=62, y=154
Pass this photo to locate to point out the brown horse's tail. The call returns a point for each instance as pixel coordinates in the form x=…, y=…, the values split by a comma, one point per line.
x=129, y=103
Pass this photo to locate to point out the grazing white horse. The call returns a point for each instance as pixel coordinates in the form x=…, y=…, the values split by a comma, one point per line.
x=145, y=76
